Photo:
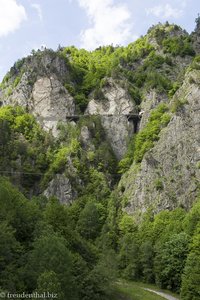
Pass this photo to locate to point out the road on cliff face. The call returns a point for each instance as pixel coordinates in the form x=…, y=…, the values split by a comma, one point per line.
x=162, y=294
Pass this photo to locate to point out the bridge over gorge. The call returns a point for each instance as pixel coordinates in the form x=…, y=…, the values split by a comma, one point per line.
x=135, y=118
x=131, y=117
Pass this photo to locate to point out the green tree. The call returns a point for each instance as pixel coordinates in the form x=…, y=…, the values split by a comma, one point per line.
x=89, y=221
x=20, y=213
x=58, y=216
x=10, y=252
x=129, y=263
x=170, y=261
x=49, y=284
x=192, y=219
x=190, y=289
x=50, y=254
x=96, y=285
x=146, y=259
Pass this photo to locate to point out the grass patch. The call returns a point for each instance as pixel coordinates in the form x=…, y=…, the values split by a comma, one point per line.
x=125, y=290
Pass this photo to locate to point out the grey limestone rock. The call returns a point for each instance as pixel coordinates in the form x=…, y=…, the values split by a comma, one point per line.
x=51, y=102
x=169, y=174
x=85, y=138
x=48, y=100
x=40, y=89
x=21, y=94
x=60, y=187
x=150, y=100
x=114, y=110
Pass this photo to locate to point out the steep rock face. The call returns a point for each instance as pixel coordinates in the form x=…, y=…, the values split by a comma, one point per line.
x=114, y=110
x=53, y=64
x=85, y=138
x=169, y=173
x=60, y=187
x=48, y=100
x=21, y=94
x=37, y=85
x=118, y=131
x=51, y=102
x=150, y=100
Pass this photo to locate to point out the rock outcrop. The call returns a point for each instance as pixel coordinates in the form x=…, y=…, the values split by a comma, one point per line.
x=169, y=174
x=150, y=100
x=60, y=187
x=51, y=102
x=48, y=100
x=114, y=110
x=39, y=89
x=69, y=86
x=21, y=93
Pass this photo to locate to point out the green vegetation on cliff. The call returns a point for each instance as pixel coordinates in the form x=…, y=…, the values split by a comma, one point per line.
x=145, y=139
x=149, y=62
x=79, y=250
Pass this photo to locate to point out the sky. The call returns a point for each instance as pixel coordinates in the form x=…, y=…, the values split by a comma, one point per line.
x=31, y=24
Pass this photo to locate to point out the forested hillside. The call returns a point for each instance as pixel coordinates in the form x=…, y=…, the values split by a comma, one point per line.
x=100, y=168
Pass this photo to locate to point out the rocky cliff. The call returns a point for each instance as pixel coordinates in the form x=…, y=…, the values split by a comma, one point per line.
x=94, y=104
x=169, y=173
x=115, y=109
x=44, y=94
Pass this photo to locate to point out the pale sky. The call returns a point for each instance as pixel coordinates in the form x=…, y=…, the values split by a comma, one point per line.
x=30, y=24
